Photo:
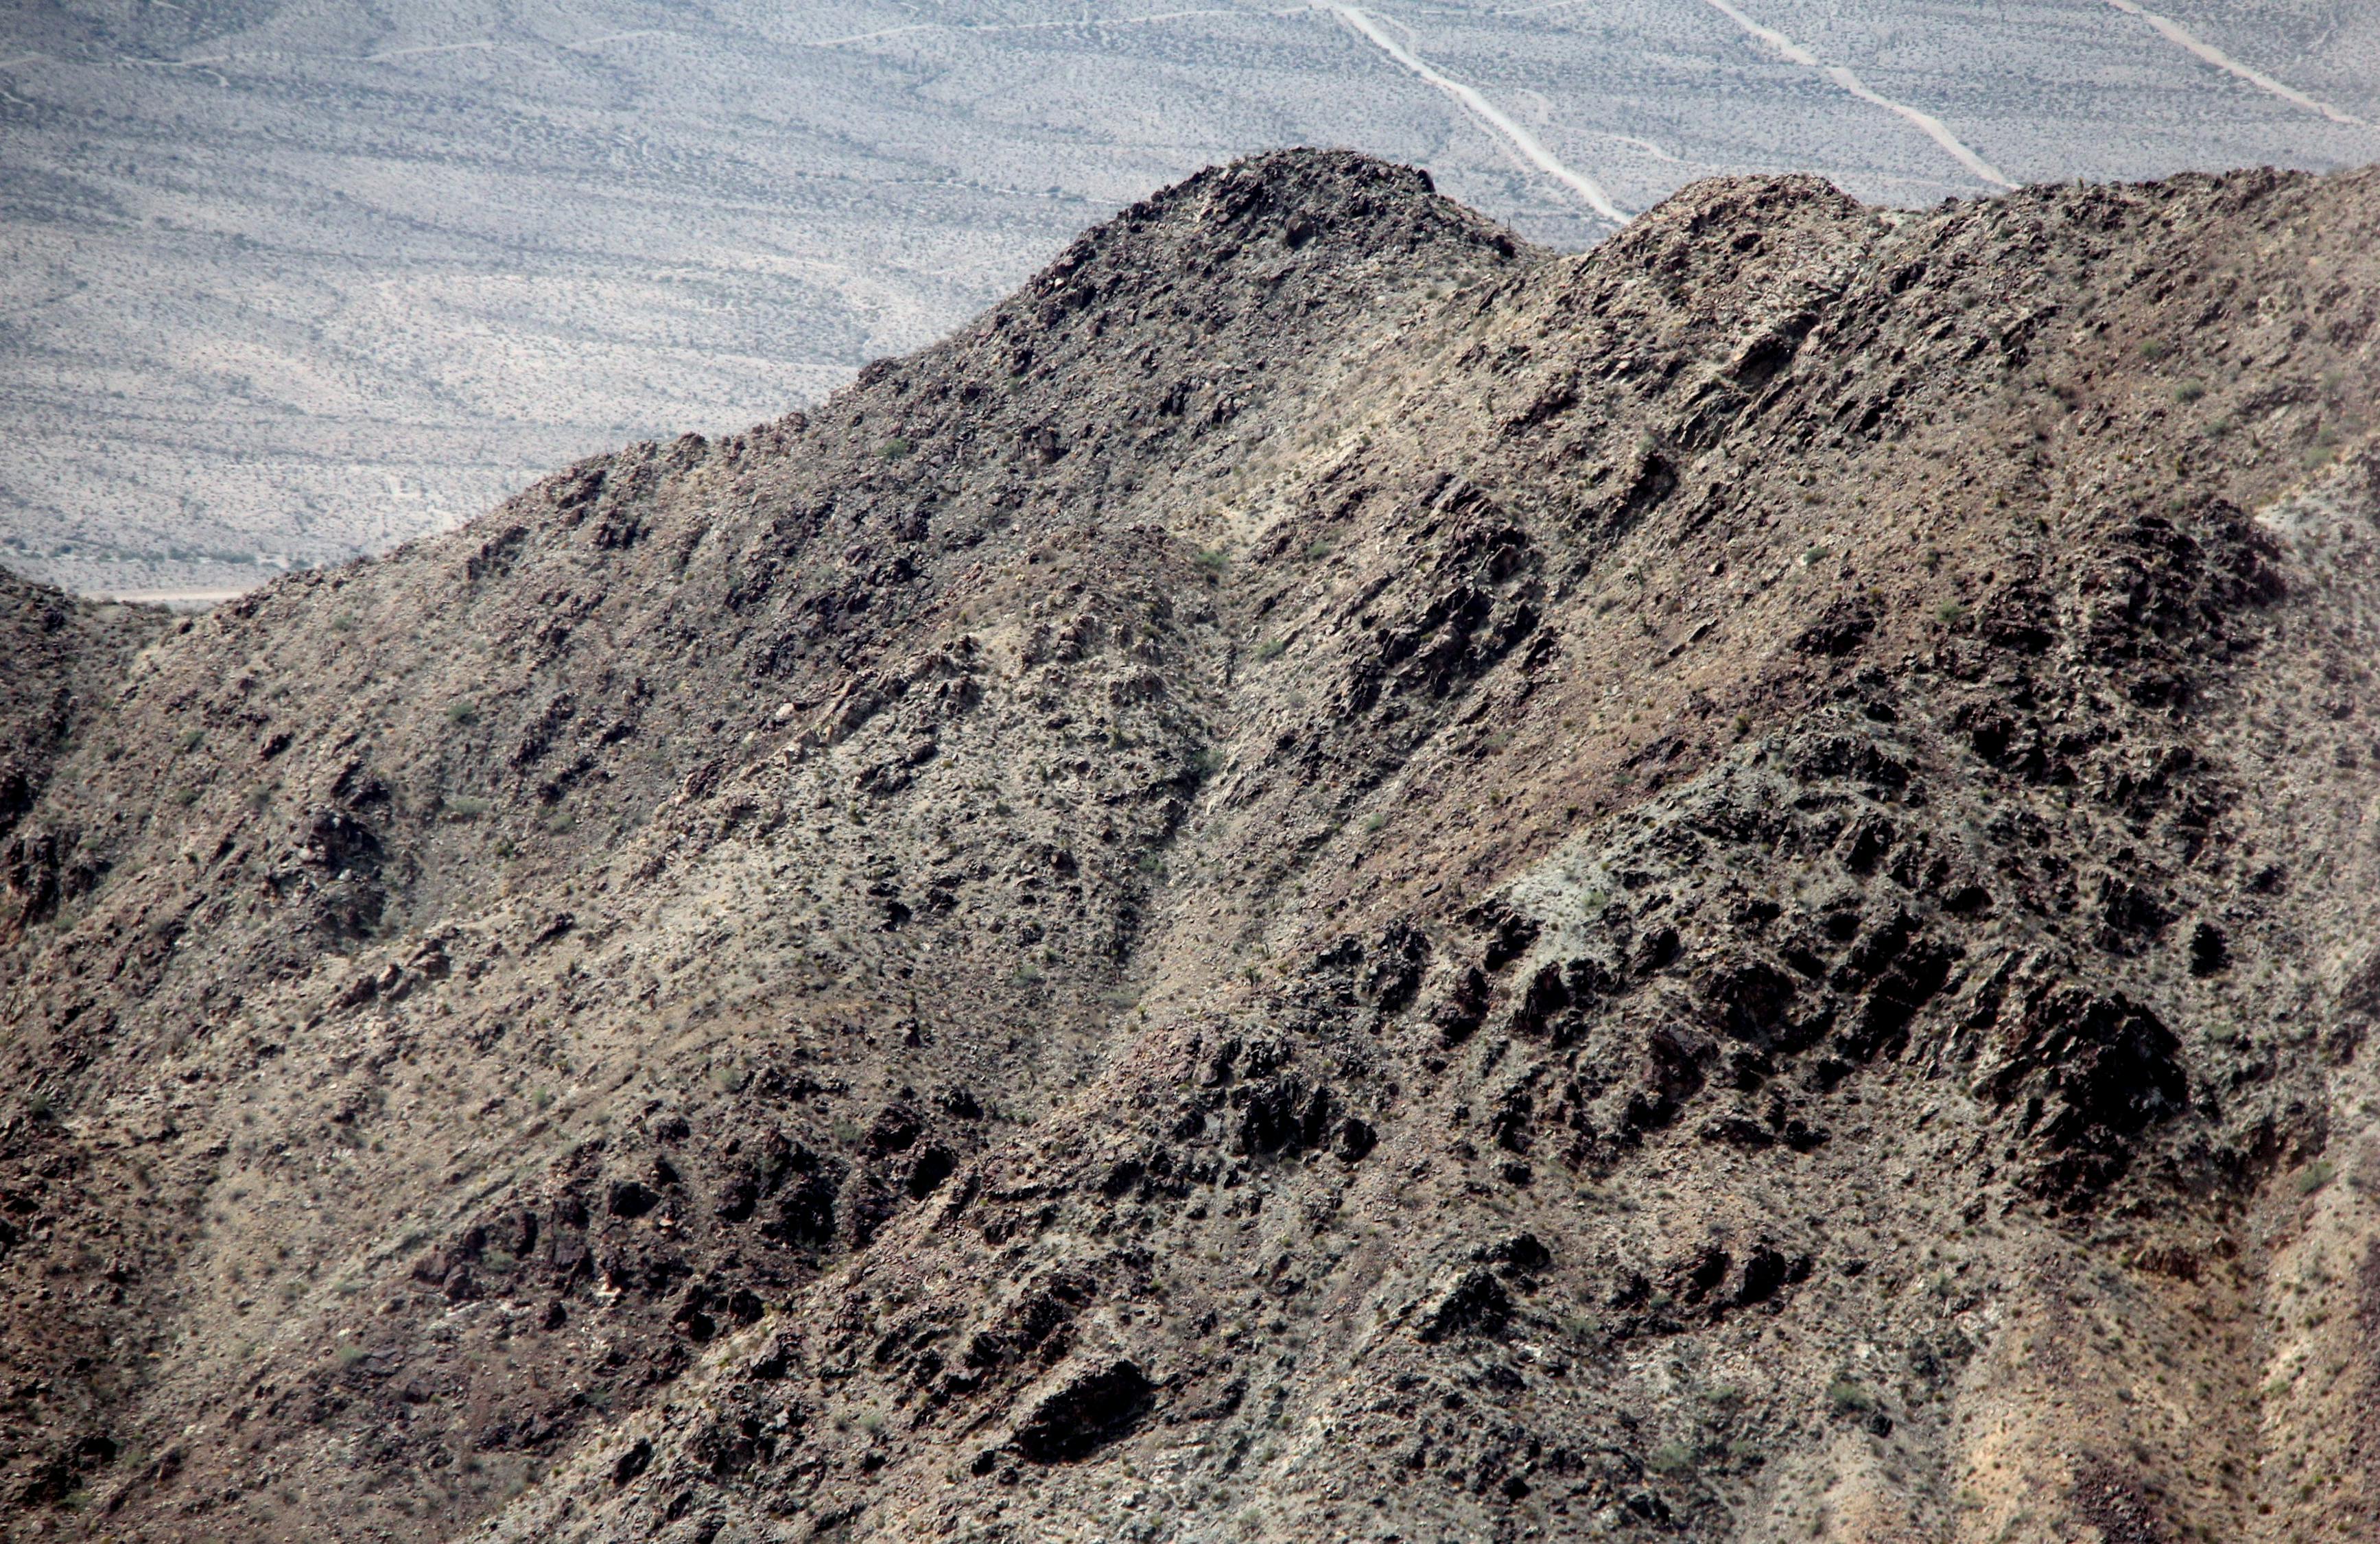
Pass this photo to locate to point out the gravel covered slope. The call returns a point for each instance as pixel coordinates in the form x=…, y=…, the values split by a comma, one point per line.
x=1334, y=878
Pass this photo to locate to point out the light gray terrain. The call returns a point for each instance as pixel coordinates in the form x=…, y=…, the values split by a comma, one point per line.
x=289, y=283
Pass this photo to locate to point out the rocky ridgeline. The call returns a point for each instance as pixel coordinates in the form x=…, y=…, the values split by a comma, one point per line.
x=1334, y=878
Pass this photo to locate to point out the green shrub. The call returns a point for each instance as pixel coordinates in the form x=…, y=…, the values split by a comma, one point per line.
x=897, y=449
x=2188, y=391
x=462, y=712
x=1271, y=648
x=190, y=739
x=1212, y=561
x=1848, y=1398
x=464, y=807
x=2316, y=1176
x=1670, y=1458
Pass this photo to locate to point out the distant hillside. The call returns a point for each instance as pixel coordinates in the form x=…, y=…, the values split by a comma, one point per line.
x=1334, y=877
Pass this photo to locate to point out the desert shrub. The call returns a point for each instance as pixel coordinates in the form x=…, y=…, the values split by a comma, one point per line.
x=1670, y=1458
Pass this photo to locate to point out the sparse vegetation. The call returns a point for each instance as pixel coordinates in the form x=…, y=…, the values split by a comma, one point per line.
x=1846, y=1397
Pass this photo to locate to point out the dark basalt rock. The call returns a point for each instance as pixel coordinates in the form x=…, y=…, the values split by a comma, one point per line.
x=2094, y=1071
x=1087, y=1412
x=1473, y=1304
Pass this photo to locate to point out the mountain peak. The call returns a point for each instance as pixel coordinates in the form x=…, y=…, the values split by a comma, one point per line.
x=1332, y=876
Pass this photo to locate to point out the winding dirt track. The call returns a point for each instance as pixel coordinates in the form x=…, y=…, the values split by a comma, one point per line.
x=1528, y=145
x=2174, y=31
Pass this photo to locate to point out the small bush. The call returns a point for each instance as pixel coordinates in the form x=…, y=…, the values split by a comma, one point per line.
x=1271, y=648
x=1950, y=614
x=1212, y=561
x=1374, y=822
x=186, y=797
x=2316, y=1176
x=350, y=1354
x=1670, y=1458
x=2188, y=391
x=462, y=712
x=1848, y=1398
x=190, y=739
x=2154, y=349
x=343, y=623
x=897, y=449
x=463, y=806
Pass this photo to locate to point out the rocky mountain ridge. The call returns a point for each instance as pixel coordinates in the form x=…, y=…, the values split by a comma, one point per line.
x=1334, y=878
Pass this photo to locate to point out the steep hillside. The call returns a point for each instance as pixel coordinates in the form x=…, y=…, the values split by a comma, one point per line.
x=1334, y=878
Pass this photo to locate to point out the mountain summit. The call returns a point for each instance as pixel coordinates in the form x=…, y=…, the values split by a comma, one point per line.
x=1334, y=878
